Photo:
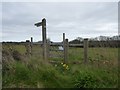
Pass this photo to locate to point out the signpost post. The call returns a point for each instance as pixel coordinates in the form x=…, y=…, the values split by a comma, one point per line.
x=44, y=40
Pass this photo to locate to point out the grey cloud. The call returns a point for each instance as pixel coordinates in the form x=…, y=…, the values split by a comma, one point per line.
x=72, y=18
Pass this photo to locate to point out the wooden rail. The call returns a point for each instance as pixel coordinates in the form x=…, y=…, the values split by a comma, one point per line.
x=61, y=44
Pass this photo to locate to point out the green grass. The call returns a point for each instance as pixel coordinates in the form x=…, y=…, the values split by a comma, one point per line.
x=95, y=55
x=35, y=72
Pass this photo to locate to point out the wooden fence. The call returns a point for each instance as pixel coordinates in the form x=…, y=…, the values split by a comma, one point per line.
x=65, y=44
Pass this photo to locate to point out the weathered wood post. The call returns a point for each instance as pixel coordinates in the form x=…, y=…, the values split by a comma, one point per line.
x=48, y=49
x=66, y=51
x=64, y=47
x=44, y=40
x=31, y=45
x=86, y=50
x=28, y=48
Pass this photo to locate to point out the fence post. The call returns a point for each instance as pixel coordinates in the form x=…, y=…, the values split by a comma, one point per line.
x=44, y=39
x=86, y=50
x=66, y=51
x=48, y=49
x=28, y=49
x=64, y=47
x=31, y=45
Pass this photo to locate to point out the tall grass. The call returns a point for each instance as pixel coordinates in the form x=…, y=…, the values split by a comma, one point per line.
x=40, y=74
x=43, y=75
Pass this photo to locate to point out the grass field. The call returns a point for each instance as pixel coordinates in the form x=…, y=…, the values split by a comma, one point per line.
x=21, y=71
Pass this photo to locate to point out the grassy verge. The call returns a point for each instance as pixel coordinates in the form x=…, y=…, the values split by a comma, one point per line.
x=42, y=75
x=36, y=73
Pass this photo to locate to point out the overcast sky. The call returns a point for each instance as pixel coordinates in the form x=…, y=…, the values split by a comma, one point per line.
x=76, y=19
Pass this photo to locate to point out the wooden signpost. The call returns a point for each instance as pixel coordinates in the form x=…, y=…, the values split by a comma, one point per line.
x=44, y=40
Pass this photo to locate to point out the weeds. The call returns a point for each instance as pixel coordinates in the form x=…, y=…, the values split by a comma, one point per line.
x=36, y=73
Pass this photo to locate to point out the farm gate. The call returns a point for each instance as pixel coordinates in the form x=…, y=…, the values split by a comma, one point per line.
x=58, y=50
